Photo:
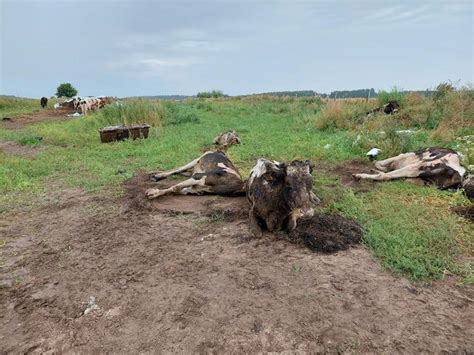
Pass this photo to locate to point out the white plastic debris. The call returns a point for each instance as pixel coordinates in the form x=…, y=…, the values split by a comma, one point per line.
x=75, y=114
x=373, y=152
x=327, y=146
x=56, y=106
x=91, y=305
x=405, y=131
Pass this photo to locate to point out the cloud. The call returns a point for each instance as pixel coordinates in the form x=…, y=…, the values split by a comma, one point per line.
x=138, y=65
x=182, y=40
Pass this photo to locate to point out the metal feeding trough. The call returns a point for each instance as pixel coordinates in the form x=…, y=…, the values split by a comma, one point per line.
x=118, y=133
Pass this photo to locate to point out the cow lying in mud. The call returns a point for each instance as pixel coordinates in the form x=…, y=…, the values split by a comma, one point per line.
x=279, y=194
x=212, y=172
x=227, y=138
x=439, y=166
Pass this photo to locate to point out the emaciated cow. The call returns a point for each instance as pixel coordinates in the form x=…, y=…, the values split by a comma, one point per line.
x=212, y=172
x=439, y=166
x=44, y=102
x=227, y=138
x=279, y=194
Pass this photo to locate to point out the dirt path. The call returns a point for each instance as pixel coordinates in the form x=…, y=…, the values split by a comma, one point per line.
x=38, y=116
x=102, y=274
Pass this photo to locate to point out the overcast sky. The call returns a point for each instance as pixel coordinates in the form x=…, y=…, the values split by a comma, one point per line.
x=130, y=48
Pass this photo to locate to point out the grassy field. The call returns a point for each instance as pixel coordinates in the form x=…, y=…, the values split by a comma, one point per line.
x=410, y=228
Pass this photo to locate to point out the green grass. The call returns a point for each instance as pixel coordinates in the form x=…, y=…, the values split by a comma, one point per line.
x=409, y=228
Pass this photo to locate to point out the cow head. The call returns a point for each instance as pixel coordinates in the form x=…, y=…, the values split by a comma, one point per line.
x=227, y=138
x=468, y=186
x=298, y=190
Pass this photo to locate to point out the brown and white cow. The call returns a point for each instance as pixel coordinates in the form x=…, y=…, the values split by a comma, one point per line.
x=227, y=138
x=212, y=172
x=279, y=194
x=439, y=166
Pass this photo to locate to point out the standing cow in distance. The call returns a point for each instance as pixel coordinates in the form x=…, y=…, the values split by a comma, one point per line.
x=44, y=102
x=279, y=194
x=212, y=172
x=439, y=166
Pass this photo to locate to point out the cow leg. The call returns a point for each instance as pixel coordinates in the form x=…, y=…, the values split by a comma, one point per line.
x=189, y=166
x=254, y=226
x=410, y=171
x=178, y=188
x=384, y=165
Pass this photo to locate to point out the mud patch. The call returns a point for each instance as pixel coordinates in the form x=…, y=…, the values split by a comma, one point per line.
x=152, y=281
x=345, y=170
x=466, y=212
x=35, y=117
x=327, y=233
x=13, y=148
x=216, y=207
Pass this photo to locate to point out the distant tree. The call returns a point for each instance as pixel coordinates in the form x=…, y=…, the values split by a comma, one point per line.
x=66, y=89
x=210, y=94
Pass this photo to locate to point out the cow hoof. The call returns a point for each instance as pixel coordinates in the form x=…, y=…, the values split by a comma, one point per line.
x=152, y=193
x=157, y=177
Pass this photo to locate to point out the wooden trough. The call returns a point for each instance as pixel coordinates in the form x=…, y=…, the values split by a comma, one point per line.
x=118, y=133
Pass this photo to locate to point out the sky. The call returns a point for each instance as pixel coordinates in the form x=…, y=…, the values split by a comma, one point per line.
x=133, y=48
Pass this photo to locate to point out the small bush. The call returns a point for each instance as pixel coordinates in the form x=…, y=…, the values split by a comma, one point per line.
x=133, y=111
x=341, y=114
x=30, y=140
x=385, y=97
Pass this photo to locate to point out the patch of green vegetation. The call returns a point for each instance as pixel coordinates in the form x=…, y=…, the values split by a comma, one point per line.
x=30, y=140
x=409, y=228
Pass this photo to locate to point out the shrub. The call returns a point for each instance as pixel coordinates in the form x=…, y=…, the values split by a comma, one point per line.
x=210, y=94
x=66, y=89
x=133, y=111
x=394, y=95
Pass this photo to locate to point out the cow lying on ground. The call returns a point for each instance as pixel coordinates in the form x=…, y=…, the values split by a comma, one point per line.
x=439, y=166
x=227, y=138
x=389, y=108
x=279, y=194
x=212, y=172
x=44, y=102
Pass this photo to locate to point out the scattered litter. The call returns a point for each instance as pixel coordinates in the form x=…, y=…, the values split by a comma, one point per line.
x=91, y=305
x=405, y=131
x=357, y=140
x=56, y=106
x=372, y=154
x=208, y=237
x=327, y=146
x=75, y=114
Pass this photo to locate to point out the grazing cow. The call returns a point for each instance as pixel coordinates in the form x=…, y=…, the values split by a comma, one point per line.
x=439, y=166
x=44, y=102
x=389, y=108
x=212, y=173
x=279, y=195
x=227, y=138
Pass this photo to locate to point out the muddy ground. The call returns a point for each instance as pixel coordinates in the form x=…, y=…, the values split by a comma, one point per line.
x=38, y=116
x=97, y=273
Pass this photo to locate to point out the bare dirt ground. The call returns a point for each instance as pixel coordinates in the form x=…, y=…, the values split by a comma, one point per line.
x=13, y=148
x=41, y=115
x=96, y=273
